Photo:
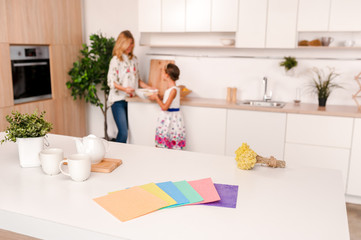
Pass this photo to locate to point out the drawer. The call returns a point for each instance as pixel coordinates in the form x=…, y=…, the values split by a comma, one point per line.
x=319, y=130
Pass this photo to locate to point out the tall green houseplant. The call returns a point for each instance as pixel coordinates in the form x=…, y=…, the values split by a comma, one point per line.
x=91, y=70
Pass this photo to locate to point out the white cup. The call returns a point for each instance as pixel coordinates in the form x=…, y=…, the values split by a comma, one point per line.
x=50, y=159
x=349, y=43
x=79, y=166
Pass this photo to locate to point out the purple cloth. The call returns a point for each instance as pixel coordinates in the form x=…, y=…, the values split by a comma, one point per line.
x=228, y=194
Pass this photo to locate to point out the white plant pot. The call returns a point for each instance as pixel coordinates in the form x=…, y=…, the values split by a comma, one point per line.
x=290, y=72
x=29, y=149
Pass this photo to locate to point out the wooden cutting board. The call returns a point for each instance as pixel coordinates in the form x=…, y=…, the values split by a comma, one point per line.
x=155, y=74
x=107, y=165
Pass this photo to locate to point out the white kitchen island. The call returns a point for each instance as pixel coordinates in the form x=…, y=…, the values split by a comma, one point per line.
x=291, y=203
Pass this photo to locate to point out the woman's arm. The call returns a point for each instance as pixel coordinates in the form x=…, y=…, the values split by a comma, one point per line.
x=144, y=85
x=128, y=90
x=164, y=106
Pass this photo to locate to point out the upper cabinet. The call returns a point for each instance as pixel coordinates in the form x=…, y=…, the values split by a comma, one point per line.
x=267, y=24
x=40, y=21
x=252, y=21
x=329, y=15
x=345, y=15
x=253, y=24
x=3, y=23
x=173, y=15
x=224, y=15
x=198, y=15
x=149, y=12
x=281, y=23
x=188, y=15
x=30, y=23
x=313, y=15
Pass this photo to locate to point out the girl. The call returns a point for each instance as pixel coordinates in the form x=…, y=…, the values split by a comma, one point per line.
x=170, y=131
x=123, y=79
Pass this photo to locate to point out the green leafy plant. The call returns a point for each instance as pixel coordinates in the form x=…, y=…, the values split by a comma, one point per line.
x=289, y=63
x=91, y=70
x=26, y=126
x=323, y=83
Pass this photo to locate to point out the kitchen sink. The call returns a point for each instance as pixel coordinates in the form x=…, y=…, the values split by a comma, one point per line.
x=261, y=103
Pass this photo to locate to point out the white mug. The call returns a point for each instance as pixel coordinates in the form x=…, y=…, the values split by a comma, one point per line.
x=50, y=159
x=79, y=166
x=349, y=43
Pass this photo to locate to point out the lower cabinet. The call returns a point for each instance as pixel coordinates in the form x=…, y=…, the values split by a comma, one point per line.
x=319, y=141
x=354, y=178
x=318, y=156
x=142, y=119
x=264, y=132
x=206, y=129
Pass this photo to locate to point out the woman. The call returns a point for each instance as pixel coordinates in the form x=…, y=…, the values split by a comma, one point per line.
x=123, y=79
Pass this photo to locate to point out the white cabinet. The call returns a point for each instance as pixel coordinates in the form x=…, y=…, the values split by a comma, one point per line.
x=313, y=15
x=142, y=119
x=319, y=141
x=318, y=156
x=173, y=15
x=281, y=24
x=198, y=15
x=205, y=129
x=354, y=178
x=319, y=130
x=264, y=132
x=149, y=15
x=224, y=15
x=345, y=15
x=252, y=20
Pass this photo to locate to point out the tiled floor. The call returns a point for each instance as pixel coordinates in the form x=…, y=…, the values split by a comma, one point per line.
x=353, y=214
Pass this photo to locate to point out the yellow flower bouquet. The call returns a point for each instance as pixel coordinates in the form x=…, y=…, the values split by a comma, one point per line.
x=246, y=159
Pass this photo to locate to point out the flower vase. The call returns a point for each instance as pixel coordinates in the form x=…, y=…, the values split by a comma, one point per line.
x=291, y=72
x=322, y=102
x=29, y=149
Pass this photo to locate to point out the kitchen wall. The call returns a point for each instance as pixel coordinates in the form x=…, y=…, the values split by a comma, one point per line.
x=209, y=71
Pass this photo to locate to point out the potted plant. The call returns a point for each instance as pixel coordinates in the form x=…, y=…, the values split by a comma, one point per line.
x=28, y=130
x=323, y=84
x=289, y=64
x=91, y=70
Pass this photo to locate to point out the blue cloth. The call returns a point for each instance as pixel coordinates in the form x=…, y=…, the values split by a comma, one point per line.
x=173, y=109
x=120, y=114
x=174, y=192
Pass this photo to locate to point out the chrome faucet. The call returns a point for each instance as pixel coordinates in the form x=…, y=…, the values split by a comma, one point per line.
x=265, y=96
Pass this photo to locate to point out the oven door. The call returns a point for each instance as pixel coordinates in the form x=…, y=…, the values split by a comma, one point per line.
x=31, y=80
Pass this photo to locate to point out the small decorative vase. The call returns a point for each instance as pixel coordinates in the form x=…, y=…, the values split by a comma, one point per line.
x=322, y=102
x=290, y=72
x=29, y=149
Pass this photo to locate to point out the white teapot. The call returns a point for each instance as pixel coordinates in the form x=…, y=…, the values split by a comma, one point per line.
x=93, y=146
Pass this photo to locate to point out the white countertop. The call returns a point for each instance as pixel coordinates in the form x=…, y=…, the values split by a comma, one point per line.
x=302, y=108
x=291, y=203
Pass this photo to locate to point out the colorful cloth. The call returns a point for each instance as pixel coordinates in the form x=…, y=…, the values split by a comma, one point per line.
x=170, y=131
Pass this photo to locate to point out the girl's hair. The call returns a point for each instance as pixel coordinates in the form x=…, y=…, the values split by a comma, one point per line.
x=173, y=71
x=124, y=40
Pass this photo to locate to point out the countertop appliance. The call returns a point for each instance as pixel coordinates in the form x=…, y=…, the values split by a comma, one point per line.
x=30, y=68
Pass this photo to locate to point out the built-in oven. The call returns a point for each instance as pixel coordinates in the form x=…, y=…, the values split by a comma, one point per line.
x=30, y=68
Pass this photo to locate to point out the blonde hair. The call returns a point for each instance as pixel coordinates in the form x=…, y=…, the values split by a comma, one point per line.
x=124, y=40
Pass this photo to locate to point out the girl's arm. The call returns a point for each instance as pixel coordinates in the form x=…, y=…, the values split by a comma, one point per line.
x=164, y=106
